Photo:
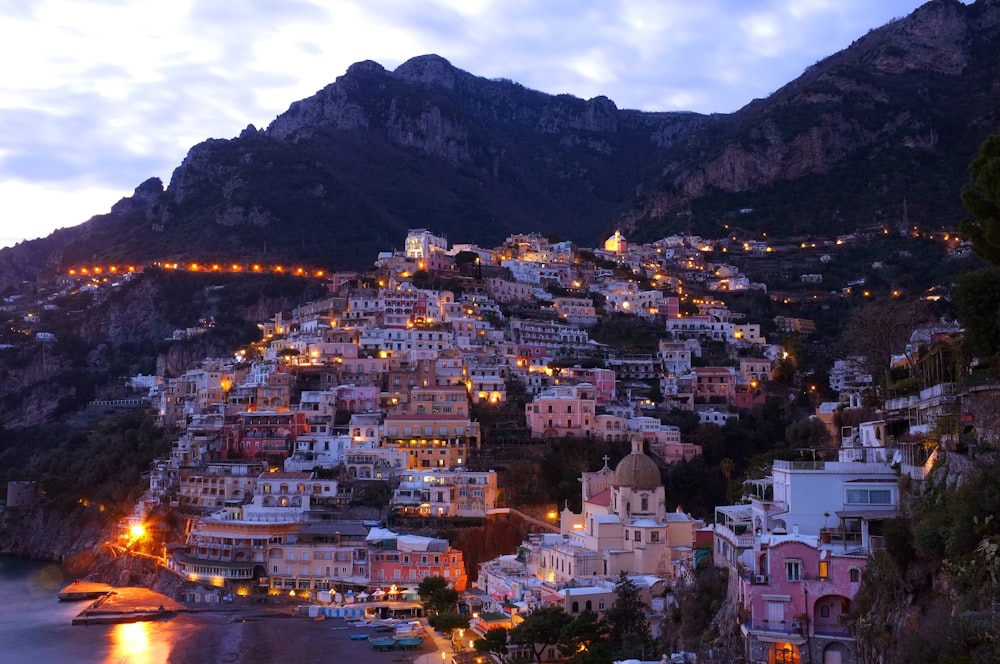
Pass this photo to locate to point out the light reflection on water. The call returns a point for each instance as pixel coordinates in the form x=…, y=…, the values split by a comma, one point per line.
x=138, y=643
x=35, y=627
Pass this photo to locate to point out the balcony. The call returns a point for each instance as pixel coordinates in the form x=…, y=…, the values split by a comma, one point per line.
x=785, y=627
x=738, y=539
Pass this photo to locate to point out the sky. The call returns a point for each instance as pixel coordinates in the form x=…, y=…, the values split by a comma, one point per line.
x=97, y=96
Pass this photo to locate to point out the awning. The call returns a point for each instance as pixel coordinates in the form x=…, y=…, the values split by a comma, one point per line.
x=868, y=515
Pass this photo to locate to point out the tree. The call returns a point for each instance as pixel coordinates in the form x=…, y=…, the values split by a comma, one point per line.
x=628, y=630
x=585, y=639
x=977, y=305
x=448, y=621
x=541, y=628
x=982, y=199
x=436, y=595
x=494, y=642
x=878, y=330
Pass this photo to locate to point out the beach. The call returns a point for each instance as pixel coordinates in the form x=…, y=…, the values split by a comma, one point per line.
x=265, y=635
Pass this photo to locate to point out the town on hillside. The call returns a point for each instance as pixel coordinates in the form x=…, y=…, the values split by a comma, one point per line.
x=373, y=390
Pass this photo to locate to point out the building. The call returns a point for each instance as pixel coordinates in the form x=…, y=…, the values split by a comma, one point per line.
x=218, y=484
x=411, y=558
x=422, y=243
x=446, y=493
x=259, y=434
x=796, y=553
x=431, y=440
x=563, y=411
x=624, y=526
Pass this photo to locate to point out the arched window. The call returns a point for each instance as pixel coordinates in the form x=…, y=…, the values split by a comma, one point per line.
x=575, y=607
x=588, y=606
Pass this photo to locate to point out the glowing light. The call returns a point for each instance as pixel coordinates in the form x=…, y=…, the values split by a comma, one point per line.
x=131, y=642
x=136, y=531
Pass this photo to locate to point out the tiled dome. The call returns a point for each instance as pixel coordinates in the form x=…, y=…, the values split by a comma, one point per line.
x=637, y=470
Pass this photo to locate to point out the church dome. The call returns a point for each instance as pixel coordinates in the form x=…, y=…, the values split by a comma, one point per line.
x=637, y=470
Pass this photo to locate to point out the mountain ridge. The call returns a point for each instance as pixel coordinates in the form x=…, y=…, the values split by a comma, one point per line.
x=344, y=173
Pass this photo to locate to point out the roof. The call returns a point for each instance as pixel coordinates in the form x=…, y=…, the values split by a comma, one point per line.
x=419, y=543
x=281, y=475
x=399, y=417
x=645, y=523
x=637, y=471
x=586, y=590
x=607, y=518
x=346, y=528
x=602, y=498
x=376, y=534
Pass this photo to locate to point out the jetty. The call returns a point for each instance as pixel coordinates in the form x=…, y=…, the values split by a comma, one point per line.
x=79, y=590
x=120, y=605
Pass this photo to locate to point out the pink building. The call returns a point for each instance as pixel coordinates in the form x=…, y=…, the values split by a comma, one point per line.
x=563, y=411
x=715, y=384
x=260, y=434
x=799, y=597
x=408, y=559
x=356, y=399
x=603, y=381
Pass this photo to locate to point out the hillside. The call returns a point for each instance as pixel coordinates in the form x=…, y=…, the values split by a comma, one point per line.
x=879, y=133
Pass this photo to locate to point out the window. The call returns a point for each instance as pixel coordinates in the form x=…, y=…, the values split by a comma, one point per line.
x=638, y=536
x=824, y=611
x=824, y=569
x=793, y=570
x=869, y=496
x=855, y=575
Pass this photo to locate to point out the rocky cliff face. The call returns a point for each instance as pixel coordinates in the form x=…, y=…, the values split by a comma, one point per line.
x=869, y=102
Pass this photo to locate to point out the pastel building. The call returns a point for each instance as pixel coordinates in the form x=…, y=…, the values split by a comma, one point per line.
x=409, y=559
x=446, y=493
x=624, y=526
x=796, y=553
x=563, y=411
x=431, y=440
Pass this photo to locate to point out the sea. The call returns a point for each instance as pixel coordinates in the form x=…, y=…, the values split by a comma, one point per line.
x=36, y=628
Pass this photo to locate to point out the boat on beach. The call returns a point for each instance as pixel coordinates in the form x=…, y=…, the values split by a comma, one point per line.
x=411, y=642
x=384, y=644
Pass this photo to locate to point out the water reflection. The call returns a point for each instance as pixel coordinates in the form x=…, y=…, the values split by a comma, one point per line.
x=138, y=643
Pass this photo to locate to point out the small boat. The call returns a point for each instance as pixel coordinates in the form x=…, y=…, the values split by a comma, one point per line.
x=411, y=642
x=359, y=637
x=384, y=644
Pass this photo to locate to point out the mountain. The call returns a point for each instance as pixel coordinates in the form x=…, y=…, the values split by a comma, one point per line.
x=879, y=133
